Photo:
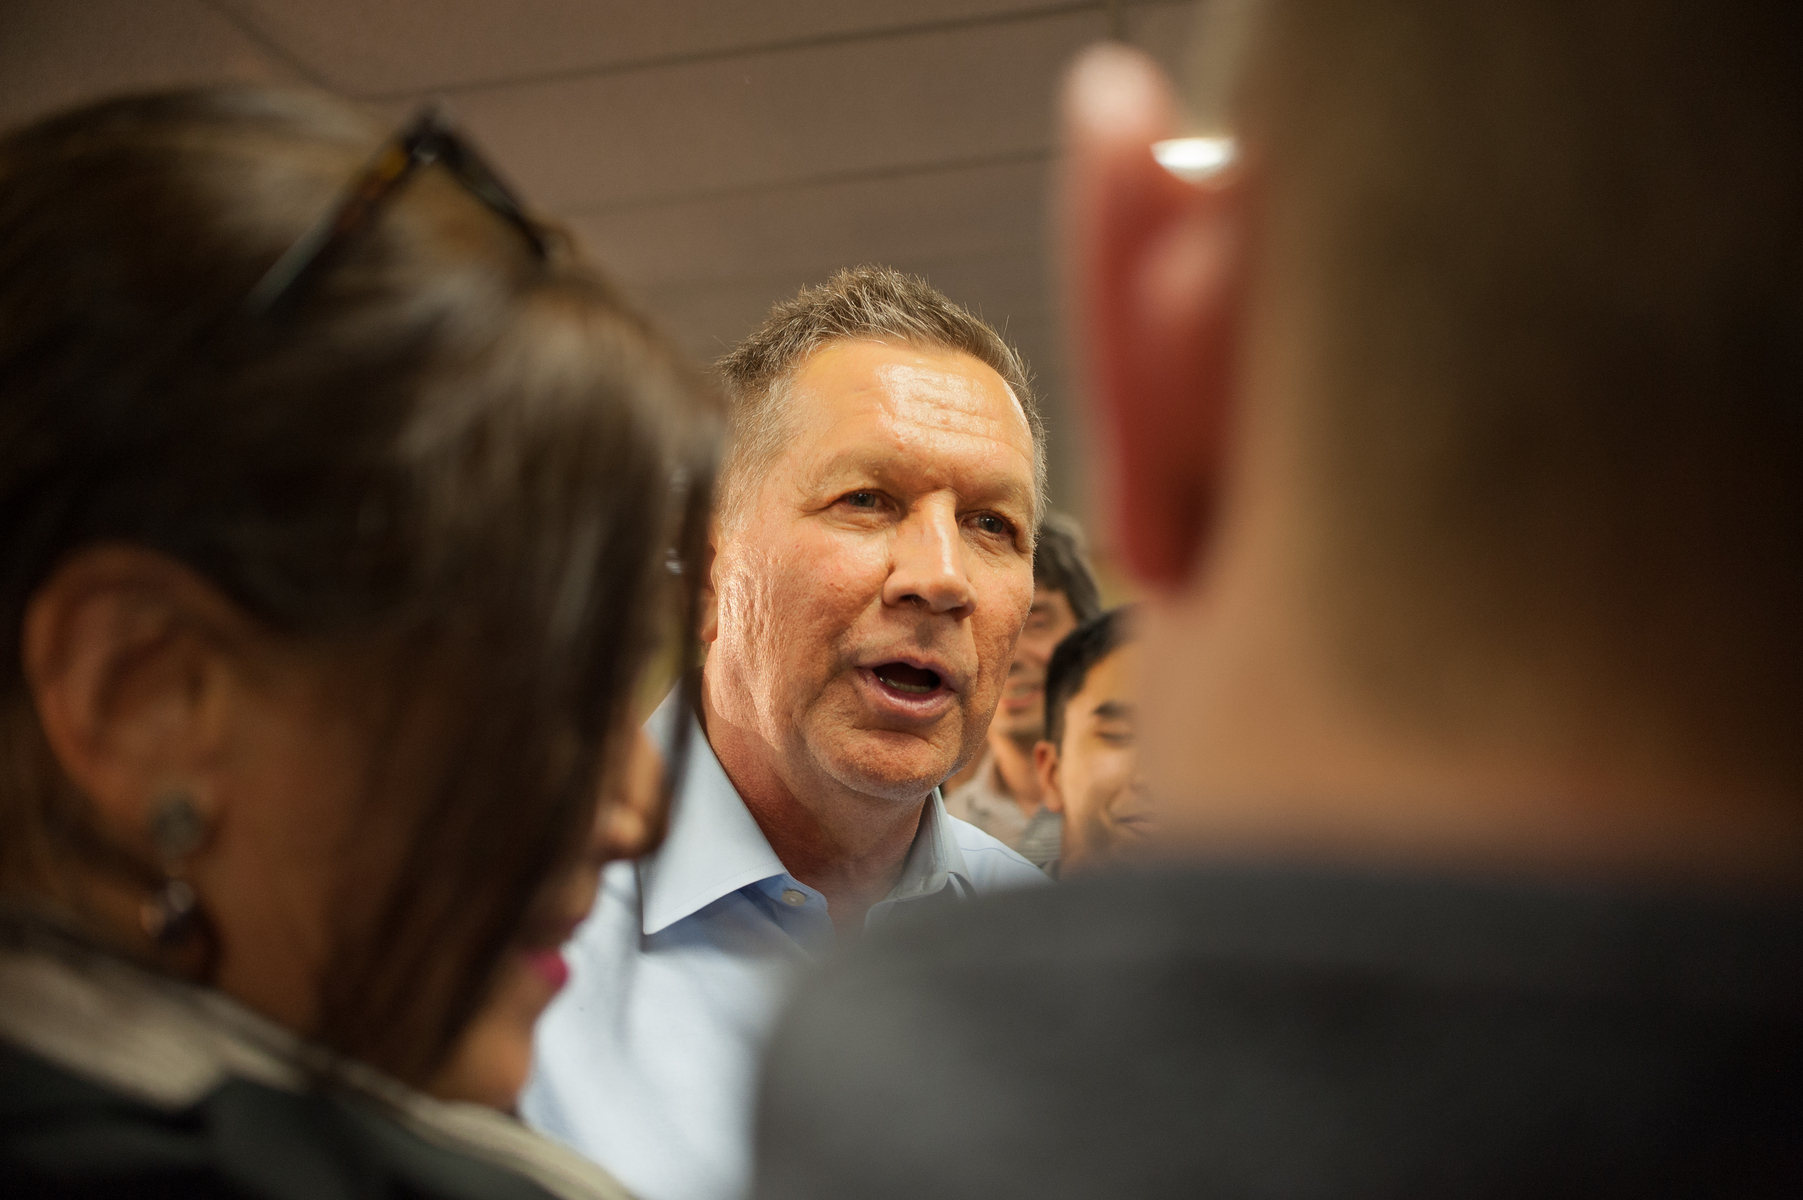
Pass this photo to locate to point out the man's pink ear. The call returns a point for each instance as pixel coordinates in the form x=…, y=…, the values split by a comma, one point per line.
x=707, y=599
x=1154, y=287
x=1045, y=765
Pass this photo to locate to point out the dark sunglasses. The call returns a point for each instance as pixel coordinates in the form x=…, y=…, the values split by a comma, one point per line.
x=423, y=141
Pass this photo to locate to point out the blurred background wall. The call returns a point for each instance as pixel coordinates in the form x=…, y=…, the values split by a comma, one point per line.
x=713, y=154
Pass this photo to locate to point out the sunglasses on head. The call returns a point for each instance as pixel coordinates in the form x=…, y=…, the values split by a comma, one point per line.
x=424, y=141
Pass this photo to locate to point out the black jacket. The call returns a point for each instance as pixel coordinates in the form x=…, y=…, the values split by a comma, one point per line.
x=118, y=1082
x=63, y=1136
x=1256, y=1035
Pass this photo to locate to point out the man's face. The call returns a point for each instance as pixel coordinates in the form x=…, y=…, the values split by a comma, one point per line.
x=1093, y=777
x=1021, y=715
x=872, y=584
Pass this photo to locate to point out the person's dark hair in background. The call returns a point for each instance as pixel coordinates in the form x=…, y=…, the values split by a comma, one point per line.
x=1060, y=565
x=999, y=792
x=1082, y=648
x=1455, y=427
x=430, y=492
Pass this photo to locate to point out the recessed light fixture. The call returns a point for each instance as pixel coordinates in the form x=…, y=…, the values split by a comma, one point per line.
x=1193, y=158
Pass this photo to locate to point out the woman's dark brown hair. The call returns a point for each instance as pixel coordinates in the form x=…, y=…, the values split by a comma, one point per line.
x=448, y=456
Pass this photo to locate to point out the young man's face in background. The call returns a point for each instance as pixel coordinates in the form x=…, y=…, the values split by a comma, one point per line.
x=1092, y=776
x=1021, y=714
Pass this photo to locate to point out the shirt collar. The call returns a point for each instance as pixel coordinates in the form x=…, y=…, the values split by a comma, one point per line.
x=934, y=859
x=714, y=846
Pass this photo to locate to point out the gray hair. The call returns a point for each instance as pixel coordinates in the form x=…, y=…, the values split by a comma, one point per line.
x=863, y=302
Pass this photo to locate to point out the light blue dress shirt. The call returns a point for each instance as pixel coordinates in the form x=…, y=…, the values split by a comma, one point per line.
x=647, y=1062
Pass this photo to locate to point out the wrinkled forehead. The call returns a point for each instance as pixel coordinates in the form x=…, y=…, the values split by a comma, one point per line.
x=931, y=386
x=884, y=397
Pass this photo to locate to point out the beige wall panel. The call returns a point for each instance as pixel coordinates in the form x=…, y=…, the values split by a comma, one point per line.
x=814, y=229
x=378, y=49
x=784, y=117
x=56, y=53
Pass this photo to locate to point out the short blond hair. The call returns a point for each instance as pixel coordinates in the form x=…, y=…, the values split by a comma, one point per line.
x=873, y=302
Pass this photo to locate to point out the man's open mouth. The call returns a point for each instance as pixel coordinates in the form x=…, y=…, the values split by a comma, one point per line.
x=915, y=681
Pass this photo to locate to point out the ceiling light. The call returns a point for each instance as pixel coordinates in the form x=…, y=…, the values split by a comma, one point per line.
x=1193, y=158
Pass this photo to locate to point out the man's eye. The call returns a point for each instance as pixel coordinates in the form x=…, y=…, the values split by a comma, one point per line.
x=862, y=499
x=990, y=523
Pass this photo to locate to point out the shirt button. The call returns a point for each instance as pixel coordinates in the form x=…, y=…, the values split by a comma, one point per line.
x=794, y=897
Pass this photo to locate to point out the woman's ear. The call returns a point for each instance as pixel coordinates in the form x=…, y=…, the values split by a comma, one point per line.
x=1155, y=288
x=1045, y=765
x=125, y=657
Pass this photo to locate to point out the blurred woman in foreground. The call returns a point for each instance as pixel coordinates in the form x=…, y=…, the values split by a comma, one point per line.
x=335, y=507
x=492, y=1058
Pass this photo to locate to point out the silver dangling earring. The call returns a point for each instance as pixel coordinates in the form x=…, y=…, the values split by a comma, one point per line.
x=172, y=915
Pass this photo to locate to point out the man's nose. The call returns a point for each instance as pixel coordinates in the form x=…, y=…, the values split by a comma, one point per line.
x=928, y=567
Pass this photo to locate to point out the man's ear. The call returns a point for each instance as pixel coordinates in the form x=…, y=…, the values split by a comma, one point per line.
x=708, y=598
x=1155, y=285
x=123, y=651
x=1045, y=765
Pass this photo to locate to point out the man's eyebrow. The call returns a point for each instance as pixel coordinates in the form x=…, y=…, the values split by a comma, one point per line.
x=862, y=461
x=1014, y=493
x=1022, y=496
x=1116, y=710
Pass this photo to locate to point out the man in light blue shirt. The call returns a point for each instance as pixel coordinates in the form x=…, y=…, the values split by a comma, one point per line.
x=872, y=568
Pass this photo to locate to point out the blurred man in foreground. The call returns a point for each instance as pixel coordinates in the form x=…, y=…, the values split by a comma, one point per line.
x=1455, y=429
x=1088, y=761
x=871, y=568
x=999, y=793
